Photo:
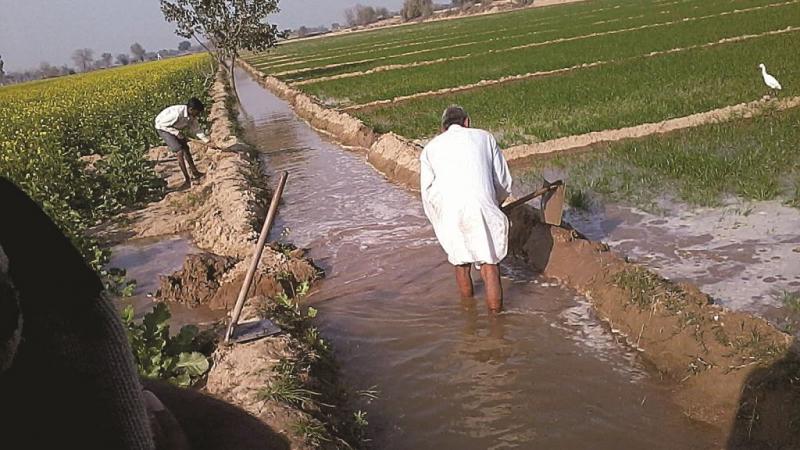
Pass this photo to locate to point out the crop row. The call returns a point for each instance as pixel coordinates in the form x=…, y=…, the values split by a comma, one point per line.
x=402, y=37
x=607, y=97
x=46, y=127
x=577, y=14
x=755, y=159
x=408, y=81
x=485, y=37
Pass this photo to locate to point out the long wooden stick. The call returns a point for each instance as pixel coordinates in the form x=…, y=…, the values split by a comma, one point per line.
x=531, y=196
x=262, y=239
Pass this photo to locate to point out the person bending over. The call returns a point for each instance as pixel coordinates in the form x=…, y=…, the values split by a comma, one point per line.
x=464, y=178
x=173, y=124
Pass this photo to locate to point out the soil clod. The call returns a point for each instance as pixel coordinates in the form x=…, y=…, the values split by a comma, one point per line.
x=197, y=281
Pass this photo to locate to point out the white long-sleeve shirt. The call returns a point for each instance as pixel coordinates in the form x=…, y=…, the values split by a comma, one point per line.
x=176, y=119
x=464, y=177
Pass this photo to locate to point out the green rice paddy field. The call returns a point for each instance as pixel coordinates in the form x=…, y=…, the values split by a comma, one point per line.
x=617, y=63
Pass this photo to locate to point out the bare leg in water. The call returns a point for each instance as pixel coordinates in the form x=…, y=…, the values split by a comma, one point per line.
x=494, y=290
x=491, y=279
x=464, y=280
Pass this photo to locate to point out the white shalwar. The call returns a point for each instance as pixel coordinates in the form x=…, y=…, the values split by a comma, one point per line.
x=464, y=178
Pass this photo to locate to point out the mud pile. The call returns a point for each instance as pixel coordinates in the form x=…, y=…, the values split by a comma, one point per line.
x=197, y=281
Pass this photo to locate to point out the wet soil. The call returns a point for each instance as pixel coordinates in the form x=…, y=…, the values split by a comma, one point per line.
x=197, y=282
x=743, y=254
x=546, y=372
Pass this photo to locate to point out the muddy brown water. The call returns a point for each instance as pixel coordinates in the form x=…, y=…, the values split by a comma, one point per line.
x=144, y=261
x=545, y=374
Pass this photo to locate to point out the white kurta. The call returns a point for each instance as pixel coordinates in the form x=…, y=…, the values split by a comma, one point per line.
x=464, y=178
x=176, y=119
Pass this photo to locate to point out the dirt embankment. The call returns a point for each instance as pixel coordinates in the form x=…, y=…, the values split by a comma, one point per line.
x=222, y=213
x=710, y=354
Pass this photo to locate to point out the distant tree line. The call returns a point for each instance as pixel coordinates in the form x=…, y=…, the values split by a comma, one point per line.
x=361, y=15
x=305, y=31
x=84, y=61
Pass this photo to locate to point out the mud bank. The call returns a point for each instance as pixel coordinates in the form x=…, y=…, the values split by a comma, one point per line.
x=221, y=214
x=706, y=351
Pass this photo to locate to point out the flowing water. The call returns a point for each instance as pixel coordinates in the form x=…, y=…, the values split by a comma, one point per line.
x=545, y=374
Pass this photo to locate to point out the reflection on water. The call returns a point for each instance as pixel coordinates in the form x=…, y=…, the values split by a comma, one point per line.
x=544, y=374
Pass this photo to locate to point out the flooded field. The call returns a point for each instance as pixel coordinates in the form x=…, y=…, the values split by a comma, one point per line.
x=545, y=373
x=744, y=254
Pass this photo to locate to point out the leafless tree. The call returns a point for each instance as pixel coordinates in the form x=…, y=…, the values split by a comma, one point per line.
x=83, y=58
x=107, y=59
x=362, y=15
x=138, y=51
x=414, y=9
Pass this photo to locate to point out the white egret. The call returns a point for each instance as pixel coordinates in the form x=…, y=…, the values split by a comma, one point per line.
x=769, y=80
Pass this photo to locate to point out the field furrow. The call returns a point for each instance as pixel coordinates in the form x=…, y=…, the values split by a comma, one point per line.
x=387, y=85
x=512, y=78
x=606, y=97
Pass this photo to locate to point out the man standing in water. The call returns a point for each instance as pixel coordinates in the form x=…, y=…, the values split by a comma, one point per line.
x=464, y=178
x=172, y=124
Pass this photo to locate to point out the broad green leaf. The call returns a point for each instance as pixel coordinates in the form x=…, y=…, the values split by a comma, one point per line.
x=194, y=363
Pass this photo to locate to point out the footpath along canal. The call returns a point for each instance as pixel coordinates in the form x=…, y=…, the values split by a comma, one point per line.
x=544, y=374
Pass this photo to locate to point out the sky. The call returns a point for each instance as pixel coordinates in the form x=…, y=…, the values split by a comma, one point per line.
x=33, y=31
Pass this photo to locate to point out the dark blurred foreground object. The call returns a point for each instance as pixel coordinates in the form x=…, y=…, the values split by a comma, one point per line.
x=67, y=375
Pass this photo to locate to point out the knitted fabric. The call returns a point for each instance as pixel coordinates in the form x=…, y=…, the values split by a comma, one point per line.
x=72, y=381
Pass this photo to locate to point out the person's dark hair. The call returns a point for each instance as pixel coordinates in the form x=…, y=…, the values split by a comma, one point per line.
x=453, y=115
x=195, y=103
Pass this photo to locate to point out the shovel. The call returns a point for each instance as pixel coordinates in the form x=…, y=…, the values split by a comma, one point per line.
x=552, y=201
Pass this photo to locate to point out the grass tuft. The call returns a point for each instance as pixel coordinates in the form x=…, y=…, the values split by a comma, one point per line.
x=790, y=300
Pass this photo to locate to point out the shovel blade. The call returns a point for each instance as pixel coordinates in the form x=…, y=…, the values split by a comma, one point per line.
x=553, y=205
x=253, y=330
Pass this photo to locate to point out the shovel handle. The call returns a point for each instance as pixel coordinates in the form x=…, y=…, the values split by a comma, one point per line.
x=531, y=196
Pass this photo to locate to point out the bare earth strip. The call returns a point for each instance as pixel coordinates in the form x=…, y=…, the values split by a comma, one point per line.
x=511, y=78
x=518, y=47
x=520, y=153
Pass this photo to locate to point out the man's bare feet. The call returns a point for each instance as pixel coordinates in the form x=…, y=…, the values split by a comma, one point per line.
x=186, y=185
x=198, y=176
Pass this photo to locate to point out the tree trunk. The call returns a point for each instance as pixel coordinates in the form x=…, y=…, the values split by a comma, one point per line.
x=231, y=70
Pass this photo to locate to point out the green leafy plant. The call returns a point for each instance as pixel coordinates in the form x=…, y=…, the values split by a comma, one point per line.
x=117, y=283
x=159, y=355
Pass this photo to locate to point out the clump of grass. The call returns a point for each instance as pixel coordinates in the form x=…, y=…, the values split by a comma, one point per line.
x=794, y=199
x=648, y=289
x=579, y=199
x=790, y=300
x=288, y=389
x=754, y=348
x=312, y=430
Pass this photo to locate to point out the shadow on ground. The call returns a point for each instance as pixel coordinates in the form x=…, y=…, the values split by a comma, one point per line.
x=769, y=408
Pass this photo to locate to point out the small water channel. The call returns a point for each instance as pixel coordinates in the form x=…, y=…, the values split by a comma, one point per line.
x=545, y=374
